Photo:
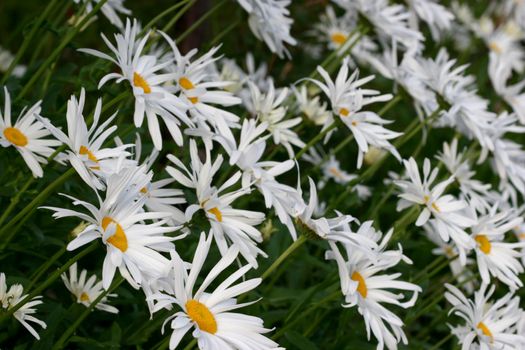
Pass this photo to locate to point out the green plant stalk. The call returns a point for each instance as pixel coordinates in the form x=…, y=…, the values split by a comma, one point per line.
x=161, y=15
x=178, y=16
x=223, y=33
x=65, y=336
x=316, y=139
x=27, y=40
x=191, y=345
x=36, y=276
x=298, y=242
x=198, y=22
x=42, y=196
x=48, y=281
x=68, y=37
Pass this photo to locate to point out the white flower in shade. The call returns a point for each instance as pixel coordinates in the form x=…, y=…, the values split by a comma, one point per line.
x=111, y=9
x=86, y=291
x=270, y=21
x=26, y=135
x=247, y=156
x=508, y=161
x=311, y=107
x=489, y=325
x=391, y=22
x=268, y=107
x=496, y=257
x=333, y=230
x=142, y=72
x=363, y=285
x=6, y=57
x=347, y=98
x=438, y=18
x=132, y=245
x=24, y=315
x=86, y=153
x=215, y=326
x=448, y=215
x=200, y=92
x=461, y=272
x=334, y=30
x=229, y=226
x=474, y=191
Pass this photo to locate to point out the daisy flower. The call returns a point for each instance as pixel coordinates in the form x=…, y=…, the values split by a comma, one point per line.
x=347, y=98
x=200, y=92
x=6, y=57
x=141, y=71
x=496, y=257
x=262, y=174
x=86, y=154
x=26, y=135
x=270, y=21
x=334, y=30
x=445, y=213
x=133, y=246
x=24, y=315
x=210, y=313
x=268, y=107
x=229, y=226
x=438, y=18
x=311, y=107
x=85, y=292
x=489, y=325
x=111, y=9
x=363, y=285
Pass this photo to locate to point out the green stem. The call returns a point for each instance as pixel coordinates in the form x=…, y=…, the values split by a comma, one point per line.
x=45, y=267
x=191, y=345
x=178, y=16
x=198, y=22
x=316, y=139
x=27, y=40
x=442, y=341
x=65, y=336
x=48, y=281
x=223, y=33
x=42, y=196
x=298, y=242
x=51, y=58
x=163, y=14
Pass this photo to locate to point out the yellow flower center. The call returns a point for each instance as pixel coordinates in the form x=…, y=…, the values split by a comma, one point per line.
x=119, y=239
x=144, y=190
x=495, y=47
x=15, y=136
x=215, y=211
x=193, y=100
x=186, y=84
x=521, y=235
x=484, y=243
x=361, y=286
x=85, y=151
x=344, y=112
x=84, y=297
x=338, y=38
x=486, y=331
x=202, y=316
x=139, y=81
x=335, y=172
x=433, y=205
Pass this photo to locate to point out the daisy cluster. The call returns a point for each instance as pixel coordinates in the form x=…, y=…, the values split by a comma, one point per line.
x=225, y=158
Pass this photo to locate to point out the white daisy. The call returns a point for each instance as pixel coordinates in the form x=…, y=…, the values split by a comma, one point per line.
x=141, y=71
x=86, y=153
x=111, y=9
x=270, y=21
x=132, y=245
x=364, y=286
x=489, y=325
x=496, y=257
x=347, y=98
x=6, y=58
x=229, y=226
x=334, y=30
x=269, y=108
x=449, y=215
x=216, y=327
x=85, y=292
x=311, y=107
x=24, y=315
x=26, y=135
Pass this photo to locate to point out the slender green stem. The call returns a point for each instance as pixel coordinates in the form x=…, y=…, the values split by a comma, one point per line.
x=316, y=139
x=191, y=345
x=51, y=58
x=442, y=341
x=178, y=16
x=27, y=40
x=63, y=340
x=223, y=33
x=198, y=22
x=45, y=267
x=298, y=242
x=42, y=196
x=48, y=281
x=163, y=14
